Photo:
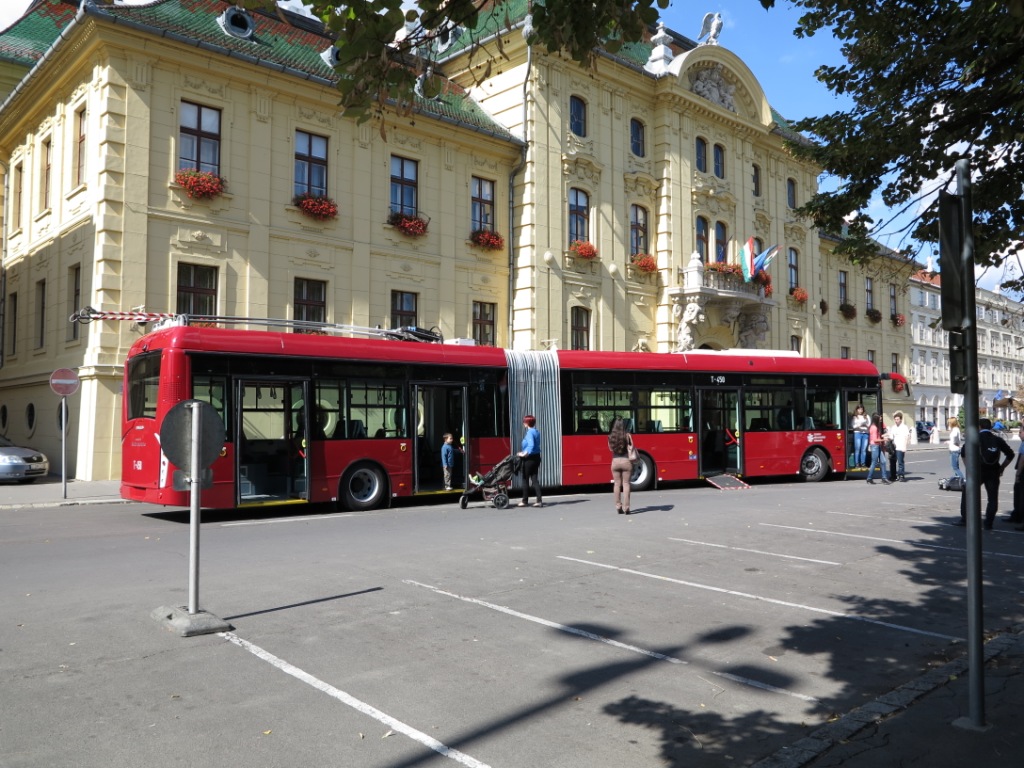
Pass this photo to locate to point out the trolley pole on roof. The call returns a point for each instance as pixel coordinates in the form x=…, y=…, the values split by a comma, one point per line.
x=956, y=237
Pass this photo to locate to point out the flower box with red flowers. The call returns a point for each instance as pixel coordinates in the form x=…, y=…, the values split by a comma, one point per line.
x=200, y=185
x=645, y=263
x=411, y=226
x=724, y=267
x=487, y=239
x=581, y=249
x=764, y=280
x=319, y=207
x=898, y=320
x=799, y=294
x=897, y=385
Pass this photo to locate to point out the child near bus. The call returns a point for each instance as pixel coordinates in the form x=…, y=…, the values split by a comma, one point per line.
x=448, y=459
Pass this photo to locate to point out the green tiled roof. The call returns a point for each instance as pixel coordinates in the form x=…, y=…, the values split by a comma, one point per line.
x=294, y=47
x=27, y=39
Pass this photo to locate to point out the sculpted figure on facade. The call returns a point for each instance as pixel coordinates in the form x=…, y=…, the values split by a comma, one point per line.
x=753, y=329
x=689, y=320
x=710, y=83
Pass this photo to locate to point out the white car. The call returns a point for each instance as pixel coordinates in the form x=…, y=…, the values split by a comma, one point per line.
x=21, y=464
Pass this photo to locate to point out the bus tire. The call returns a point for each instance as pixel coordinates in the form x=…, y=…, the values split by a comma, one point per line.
x=643, y=475
x=363, y=487
x=813, y=466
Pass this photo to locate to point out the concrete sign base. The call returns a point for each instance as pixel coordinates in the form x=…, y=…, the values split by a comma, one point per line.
x=188, y=624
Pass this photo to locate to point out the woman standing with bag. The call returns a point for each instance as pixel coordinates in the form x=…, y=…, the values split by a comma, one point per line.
x=620, y=443
x=956, y=441
x=530, y=454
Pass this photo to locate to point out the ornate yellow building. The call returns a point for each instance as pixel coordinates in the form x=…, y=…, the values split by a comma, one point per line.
x=667, y=149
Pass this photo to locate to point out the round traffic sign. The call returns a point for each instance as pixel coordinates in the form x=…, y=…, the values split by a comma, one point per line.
x=64, y=381
x=176, y=434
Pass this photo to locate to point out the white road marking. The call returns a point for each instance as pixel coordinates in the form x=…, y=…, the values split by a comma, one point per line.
x=608, y=641
x=754, y=551
x=360, y=706
x=546, y=623
x=889, y=541
x=722, y=590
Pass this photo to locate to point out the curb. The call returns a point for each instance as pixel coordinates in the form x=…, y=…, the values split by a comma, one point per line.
x=821, y=740
x=66, y=503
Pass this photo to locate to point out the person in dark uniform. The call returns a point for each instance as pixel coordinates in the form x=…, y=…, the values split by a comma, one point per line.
x=986, y=462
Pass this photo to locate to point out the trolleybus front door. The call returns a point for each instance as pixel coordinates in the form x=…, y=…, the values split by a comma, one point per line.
x=274, y=437
x=439, y=409
x=719, y=437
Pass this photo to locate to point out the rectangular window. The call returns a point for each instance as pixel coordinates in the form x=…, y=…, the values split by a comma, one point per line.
x=719, y=156
x=637, y=138
x=844, y=353
x=12, y=324
x=81, y=150
x=483, y=323
x=757, y=180
x=197, y=290
x=74, y=298
x=703, y=235
x=404, y=186
x=791, y=193
x=40, y=314
x=403, y=309
x=46, y=171
x=794, y=343
x=793, y=266
x=892, y=300
x=199, y=138
x=580, y=331
x=482, y=192
x=721, y=242
x=310, y=301
x=895, y=362
x=637, y=230
x=869, y=293
x=578, y=116
x=844, y=295
x=701, y=154
x=310, y=164
x=871, y=356
x=17, y=195
x=579, y=215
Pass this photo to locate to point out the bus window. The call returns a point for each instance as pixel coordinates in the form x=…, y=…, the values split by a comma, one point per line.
x=213, y=390
x=488, y=405
x=143, y=385
x=664, y=410
x=824, y=409
x=375, y=409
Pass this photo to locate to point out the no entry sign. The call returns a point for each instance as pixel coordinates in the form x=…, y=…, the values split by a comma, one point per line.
x=64, y=382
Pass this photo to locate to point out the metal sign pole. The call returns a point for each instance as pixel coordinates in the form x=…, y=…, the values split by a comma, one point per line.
x=196, y=472
x=64, y=445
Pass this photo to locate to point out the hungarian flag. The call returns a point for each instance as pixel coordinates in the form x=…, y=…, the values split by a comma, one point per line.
x=747, y=260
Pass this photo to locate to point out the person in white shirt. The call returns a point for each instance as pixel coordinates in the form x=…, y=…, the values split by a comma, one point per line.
x=956, y=441
x=900, y=434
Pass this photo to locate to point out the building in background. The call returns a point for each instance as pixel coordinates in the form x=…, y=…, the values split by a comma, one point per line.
x=544, y=206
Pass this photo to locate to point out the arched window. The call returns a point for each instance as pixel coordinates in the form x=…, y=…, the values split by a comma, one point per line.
x=721, y=242
x=719, y=161
x=758, y=246
x=703, y=233
x=791, y=193
x=637, y=230
x=577, y=116
x=756, y=177
x=579, y=215
x=701, y=151
x=637, y=138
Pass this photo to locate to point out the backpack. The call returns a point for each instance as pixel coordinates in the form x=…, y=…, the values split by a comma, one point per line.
x=989, y=450
x=951, y=483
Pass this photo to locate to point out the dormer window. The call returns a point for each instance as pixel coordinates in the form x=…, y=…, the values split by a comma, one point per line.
x=237, y=22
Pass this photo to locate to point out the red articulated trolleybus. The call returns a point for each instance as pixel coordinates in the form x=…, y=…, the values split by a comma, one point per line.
x=313, y=416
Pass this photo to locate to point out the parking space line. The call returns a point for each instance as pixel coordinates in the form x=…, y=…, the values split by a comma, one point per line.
x=608, y=641
x=546, y=623
x=889, y=541
x=361, y=706
x=754, y=551
x=761, y=598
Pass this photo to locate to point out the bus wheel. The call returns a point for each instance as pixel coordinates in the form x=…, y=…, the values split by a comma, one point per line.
x=362, y=488
x=642, y=478
x=813, y=466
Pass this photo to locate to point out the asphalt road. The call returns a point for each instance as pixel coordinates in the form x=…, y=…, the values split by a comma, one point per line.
x=710, y=628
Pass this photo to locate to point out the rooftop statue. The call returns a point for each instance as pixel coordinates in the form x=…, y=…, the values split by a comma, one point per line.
x=711, y=28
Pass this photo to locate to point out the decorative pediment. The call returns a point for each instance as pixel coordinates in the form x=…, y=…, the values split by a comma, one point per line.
x=713, y=195
x=582, y=169
x=795, y=233
x=762, y=224
x=713, y=82
x=640, y=185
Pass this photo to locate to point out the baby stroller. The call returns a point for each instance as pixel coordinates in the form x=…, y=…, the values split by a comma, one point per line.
x=493, y=485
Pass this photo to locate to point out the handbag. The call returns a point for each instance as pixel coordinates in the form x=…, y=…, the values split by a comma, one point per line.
x=631, y=452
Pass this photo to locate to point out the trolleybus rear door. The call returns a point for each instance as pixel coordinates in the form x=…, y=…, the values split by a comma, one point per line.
x=719, y=436
x=439, y=409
